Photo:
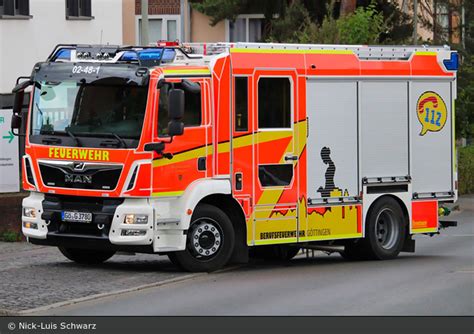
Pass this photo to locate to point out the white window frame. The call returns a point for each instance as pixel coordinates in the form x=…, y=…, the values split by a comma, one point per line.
x=243, y=16
x=164, y=25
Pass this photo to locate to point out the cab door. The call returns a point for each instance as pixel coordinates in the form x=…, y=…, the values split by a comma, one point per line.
x=276, y=175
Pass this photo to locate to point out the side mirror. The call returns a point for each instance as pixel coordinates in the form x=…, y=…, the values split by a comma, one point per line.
x=18, y=102
x=175, y=128
x=176, y=104
x=192, y=87
x=16, y=122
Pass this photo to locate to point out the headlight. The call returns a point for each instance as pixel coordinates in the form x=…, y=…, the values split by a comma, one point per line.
x=135, y=219
x=29, y=212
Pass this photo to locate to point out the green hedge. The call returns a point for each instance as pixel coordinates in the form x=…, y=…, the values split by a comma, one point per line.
x=466, y=170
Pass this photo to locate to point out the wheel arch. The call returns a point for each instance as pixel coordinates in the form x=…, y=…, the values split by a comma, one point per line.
x=234, y=211
x=400, y=202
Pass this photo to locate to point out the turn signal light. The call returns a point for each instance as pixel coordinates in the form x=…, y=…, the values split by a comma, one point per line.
x=30, y=225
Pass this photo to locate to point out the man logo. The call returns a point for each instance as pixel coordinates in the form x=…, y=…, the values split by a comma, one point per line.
x=79, y=166
x=82, y=179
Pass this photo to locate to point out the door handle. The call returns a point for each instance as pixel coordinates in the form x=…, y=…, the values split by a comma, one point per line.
x=291, y=157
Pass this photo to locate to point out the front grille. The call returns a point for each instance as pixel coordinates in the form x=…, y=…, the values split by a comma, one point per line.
x=102, y=209
x=89, y=176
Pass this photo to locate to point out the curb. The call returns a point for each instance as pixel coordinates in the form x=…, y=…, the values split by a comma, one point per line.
x=112, y=293
x=7, y=313
x=108, y=294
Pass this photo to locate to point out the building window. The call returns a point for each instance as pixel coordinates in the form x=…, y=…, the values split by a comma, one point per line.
x=15, y=9
x=246, y=28
x=241, y=104
x=78, y=10
x=160, y=28
x=274, y=103
x=442, y=21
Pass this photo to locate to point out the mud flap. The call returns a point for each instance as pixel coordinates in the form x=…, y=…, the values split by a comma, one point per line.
x=409, y=245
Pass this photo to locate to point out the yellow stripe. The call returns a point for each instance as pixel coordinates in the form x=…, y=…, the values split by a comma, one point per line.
x=425, y=230
x=182, y=71
x=332, y=237
x=168, y=193
x=180, y=157
x=243, y=141
x=293, y=51
x=275, y=241
x=425, y=53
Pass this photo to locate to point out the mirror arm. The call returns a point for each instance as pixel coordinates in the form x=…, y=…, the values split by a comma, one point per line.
x=158, y=148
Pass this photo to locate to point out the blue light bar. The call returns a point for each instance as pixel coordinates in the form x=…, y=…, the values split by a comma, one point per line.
x=64, y=54
x=168, y=56
x=452, y=64
x=129, y=56
x=150, y=54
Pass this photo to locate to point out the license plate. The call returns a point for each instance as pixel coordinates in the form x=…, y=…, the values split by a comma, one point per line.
x=79, y=217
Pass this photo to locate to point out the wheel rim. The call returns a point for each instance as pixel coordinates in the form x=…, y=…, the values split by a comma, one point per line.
x=205, y=238
x=386, y=229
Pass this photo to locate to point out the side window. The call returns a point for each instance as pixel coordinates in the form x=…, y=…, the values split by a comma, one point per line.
x=274, y=103
x=277, y=175
x=192, y=109
x=241, y=104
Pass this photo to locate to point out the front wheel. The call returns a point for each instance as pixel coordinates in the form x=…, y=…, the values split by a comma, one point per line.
x=86, y=256
x=210, y=241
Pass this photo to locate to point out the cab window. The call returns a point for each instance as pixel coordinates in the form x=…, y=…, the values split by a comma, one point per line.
x=192, y=109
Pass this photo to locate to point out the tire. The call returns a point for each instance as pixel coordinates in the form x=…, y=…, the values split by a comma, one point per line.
x=275, y=252
x=86, y=256
x=385, y=232
x=210, y=241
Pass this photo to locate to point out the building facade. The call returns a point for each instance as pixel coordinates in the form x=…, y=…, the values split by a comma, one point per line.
x=177, y=20
x=29, y=36
x=439, y=21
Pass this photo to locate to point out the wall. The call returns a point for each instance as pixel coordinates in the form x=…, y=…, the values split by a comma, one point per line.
x=202, y=31
x=128, y=21
x=159, y=7
x=25, y=42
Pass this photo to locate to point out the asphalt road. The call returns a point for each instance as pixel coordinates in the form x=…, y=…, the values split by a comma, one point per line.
x=436, y=280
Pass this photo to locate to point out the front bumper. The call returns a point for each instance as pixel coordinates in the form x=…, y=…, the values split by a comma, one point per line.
x=106, y=231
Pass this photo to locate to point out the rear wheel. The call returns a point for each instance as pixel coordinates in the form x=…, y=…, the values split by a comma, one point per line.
x=384, y=233
x=86, y=256
x=210, y=241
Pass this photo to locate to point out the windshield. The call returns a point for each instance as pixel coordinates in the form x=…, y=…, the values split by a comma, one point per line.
x=104, y=106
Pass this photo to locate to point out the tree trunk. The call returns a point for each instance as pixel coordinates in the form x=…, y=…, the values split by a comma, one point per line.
x=347, y=7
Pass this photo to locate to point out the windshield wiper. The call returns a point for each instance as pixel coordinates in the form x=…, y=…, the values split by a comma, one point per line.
x=120, y=140
x=78, y=143
x=53, y=140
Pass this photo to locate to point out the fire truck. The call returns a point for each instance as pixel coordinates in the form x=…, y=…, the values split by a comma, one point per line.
x=212, y=153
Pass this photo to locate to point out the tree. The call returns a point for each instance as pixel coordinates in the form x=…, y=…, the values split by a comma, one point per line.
x=297, y=19
x=364, y=26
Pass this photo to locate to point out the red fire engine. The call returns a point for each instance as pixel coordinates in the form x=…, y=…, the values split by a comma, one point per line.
x=207, y=153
